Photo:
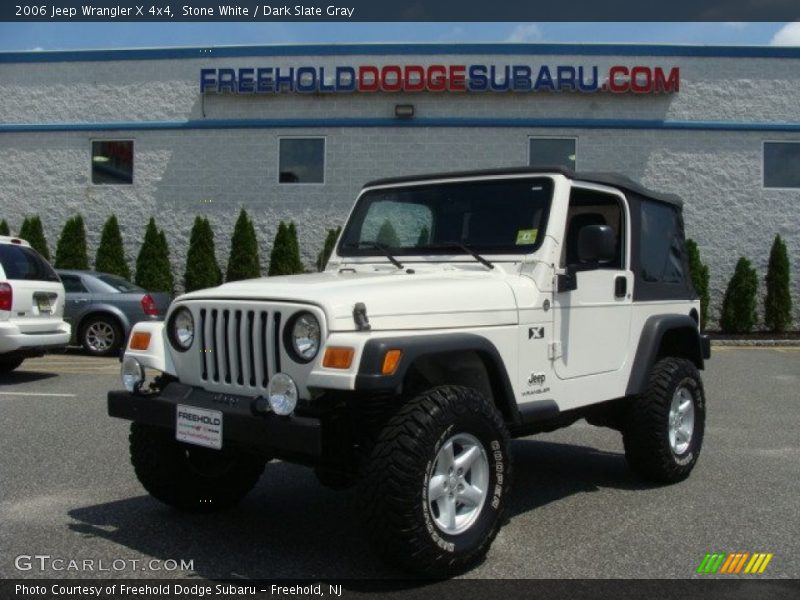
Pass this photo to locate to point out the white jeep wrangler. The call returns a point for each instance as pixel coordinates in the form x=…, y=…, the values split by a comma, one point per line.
x=456, y=312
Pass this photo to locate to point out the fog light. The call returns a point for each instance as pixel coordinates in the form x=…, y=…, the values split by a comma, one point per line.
x=282, y=394
x=132, y=374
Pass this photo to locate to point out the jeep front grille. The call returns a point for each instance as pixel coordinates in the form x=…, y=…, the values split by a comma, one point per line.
x=239, y=347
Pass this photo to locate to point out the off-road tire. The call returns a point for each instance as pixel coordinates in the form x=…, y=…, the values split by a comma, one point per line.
x=190, y=478
x=111, y=325
x=646, y=431
x=392, y=491
x=7, y=365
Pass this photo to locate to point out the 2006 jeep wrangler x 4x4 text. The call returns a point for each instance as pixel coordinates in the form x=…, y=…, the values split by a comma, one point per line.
x=457, y=311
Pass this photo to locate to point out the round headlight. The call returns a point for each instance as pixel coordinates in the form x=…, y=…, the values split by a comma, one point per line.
x=182, y=329
x=304, y=337
x=132, y=374
x=282, y=394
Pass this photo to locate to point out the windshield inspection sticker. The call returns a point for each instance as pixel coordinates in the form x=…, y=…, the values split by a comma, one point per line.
x=526, y=236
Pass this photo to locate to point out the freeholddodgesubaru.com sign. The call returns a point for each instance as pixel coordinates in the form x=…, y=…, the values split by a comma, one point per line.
x=618, y=79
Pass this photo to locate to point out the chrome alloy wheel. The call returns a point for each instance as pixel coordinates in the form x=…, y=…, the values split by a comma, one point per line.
x=458, y=484
x=681, y=420
x=100, y=336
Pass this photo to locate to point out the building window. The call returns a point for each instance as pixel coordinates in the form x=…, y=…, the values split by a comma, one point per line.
x=302, y=160
x=552, y=152
x=112, y=162
x=782, y=164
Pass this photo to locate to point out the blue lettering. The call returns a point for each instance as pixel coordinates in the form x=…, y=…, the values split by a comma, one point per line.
x=345, y=79
x=494, y=84
x=521, y=78
x=306, y=79
x=591, y=86
x=286, y=80
x=566, y=78
x=264, y=81
x=544, y=80
x=208, y=83
x=325, y=87
x=477, y=78
x=246, y=81
x=227, y=80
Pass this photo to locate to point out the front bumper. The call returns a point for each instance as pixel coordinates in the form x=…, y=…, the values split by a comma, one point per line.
x=243, y=426
x=705, y=346
x=34, y=339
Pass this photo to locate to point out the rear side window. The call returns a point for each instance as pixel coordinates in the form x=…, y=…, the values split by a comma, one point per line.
x=20, y=262
x=661, y=244
x=119, y=284
x=73, y=285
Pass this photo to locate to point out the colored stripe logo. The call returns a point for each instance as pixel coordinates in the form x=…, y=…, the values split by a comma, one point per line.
x=734, y=563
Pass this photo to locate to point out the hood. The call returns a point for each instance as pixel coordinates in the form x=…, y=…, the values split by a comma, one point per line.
x=442, y=297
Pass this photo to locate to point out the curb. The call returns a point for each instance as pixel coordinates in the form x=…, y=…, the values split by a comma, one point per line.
x=757, y=343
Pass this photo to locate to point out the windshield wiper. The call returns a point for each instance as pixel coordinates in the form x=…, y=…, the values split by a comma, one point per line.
x=378, y=246
x=463, y=247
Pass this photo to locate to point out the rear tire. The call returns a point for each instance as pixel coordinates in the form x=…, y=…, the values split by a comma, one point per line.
x=101, y=335
x=664, y=430
x=7, y=365
x=434, y=487
x=190, y=478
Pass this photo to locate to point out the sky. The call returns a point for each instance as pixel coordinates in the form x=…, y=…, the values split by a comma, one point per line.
x=71, y=36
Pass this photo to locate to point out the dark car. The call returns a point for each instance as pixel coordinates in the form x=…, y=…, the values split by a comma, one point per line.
x=102, y=308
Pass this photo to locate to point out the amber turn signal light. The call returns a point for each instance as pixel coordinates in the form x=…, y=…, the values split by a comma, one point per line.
x=337, y=357
x=390, y=362
x=140, y=340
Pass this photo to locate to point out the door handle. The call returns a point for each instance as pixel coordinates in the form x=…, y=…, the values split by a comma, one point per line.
x=620, y=286
x=80, y=300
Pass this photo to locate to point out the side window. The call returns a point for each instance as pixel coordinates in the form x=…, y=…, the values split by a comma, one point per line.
x=587, y=207
x=661, y=244
x=73, y=284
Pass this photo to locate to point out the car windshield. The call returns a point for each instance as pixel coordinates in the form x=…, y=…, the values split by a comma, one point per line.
x=21, y=262
x=119, y=284
x=500, y=216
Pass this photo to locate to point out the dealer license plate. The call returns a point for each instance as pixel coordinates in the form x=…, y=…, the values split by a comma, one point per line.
x=198, y=426
x=43, y=304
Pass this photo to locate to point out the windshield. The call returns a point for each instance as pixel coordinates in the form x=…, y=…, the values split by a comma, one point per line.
x=21, y=262
x=118, y=283
x=489, y=217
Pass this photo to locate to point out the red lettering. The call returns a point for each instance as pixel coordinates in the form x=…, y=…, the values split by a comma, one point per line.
x=618, y=87
x=414, y=78
x=371, y=85
x=641, y=80
x=391, y=79
x=437, y=78
x=457, y=78
x=667, y=85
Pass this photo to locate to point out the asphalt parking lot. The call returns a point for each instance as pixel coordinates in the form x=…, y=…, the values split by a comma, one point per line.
x=69, y=492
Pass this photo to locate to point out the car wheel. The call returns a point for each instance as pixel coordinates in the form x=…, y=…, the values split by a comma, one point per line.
x=101, y=336
x=665, y=425
x=433, y=490
x=7, y=365
x=188, y=477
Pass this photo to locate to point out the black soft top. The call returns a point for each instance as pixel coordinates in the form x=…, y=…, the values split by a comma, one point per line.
x=612, y=179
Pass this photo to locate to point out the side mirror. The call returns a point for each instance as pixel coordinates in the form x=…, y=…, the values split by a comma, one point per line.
x=596, y=244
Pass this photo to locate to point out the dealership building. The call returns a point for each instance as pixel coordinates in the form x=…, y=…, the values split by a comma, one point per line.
x=293, y=132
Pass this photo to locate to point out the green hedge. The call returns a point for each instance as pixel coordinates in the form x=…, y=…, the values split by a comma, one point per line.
x=700, y=276
x=202, y=270
x=71, y=248
x=153, y=269
x=327, y=249
x=4, y=230
x=285, y=256
x=32, y=232
x=739, y=303
x=110, y=257
x=243, y=261
x=778, y=301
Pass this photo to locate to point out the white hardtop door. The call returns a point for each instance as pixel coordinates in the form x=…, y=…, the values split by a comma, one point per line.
x=592, y=322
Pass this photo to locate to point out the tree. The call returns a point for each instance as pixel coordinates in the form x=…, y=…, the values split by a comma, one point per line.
x=327, y=249
x=387, y=235
x=71, y=248
x=243, y=261
x=202, y=270
x=700, y=277
x=739, y=303
x=153, y=270
x=4, y=230
x=32, y=231
x=285, y=256
x=778, y=302
x=110, y=257
x=424, y=236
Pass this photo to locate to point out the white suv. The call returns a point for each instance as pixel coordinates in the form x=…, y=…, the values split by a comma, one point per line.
x=31, y=305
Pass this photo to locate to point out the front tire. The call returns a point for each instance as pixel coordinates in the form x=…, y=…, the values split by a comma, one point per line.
x=434, y=487
x=664, y=431
x=190, y=478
